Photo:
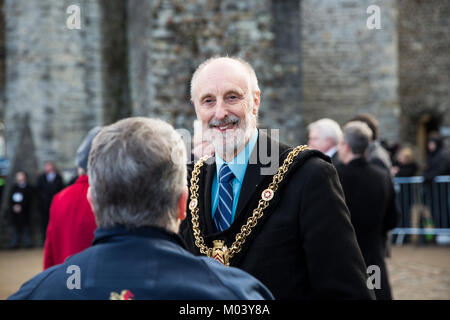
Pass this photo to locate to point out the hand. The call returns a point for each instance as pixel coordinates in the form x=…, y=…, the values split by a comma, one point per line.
x=17, y=208
x=394, y=170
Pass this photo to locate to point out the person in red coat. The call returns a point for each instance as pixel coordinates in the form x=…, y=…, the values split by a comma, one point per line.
x=72, y=221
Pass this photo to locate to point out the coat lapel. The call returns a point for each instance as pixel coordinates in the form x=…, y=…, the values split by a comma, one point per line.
x=253, y=175
x=209, y=178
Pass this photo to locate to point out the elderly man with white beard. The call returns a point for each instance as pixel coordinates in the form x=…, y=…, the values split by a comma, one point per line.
x=289, y=227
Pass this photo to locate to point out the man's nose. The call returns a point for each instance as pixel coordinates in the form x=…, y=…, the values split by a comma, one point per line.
x=221, y=110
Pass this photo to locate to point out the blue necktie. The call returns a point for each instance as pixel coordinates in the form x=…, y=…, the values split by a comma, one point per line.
x=224, y=211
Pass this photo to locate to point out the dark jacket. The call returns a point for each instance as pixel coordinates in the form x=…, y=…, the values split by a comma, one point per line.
x=437, y=164
x=335, y=159
x=304, y=246
x=46, y=192
x=22, y=196
x=144, y=263
x=406, y=170
x=378, y=156
x=370, y=197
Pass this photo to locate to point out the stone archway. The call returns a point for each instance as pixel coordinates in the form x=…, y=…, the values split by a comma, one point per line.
x=417, y=127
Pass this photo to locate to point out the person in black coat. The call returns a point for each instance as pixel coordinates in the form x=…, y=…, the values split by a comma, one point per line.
x=438, y=162
x=48, y=184
x=370, y=197
x=404, y=165
x=376, y=153
x=302, y=245
x=20, y=201
x=138, y=203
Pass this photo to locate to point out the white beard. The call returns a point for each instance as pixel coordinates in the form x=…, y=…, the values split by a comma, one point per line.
x=229, y=143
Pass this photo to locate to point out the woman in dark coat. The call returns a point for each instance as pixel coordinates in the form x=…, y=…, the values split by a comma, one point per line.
x=20, y=201
x=405, y=165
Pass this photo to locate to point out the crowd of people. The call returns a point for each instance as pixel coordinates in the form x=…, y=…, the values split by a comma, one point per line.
x=139, y=223
x=24, y=195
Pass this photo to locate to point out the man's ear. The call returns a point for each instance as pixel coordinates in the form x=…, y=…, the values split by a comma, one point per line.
x=330, y=142
x=256, y=102
x=348, y=149
x=182, y=203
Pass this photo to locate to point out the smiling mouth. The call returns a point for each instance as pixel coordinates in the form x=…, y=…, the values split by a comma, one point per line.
x=225, y=127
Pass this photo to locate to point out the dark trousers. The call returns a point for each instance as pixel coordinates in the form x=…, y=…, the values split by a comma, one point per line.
x=21, y=232
x=44, y=217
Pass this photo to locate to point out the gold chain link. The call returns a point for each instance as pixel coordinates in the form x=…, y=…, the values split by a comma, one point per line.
x=252, y=221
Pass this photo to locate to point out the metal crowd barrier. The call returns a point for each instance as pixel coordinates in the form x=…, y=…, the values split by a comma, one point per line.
x=424, y=207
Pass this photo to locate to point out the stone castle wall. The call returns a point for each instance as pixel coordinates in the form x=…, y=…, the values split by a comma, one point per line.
x=348, y=68
x=424, y=66
x=169, y=39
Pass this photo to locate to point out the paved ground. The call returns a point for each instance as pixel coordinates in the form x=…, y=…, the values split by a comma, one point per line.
x=16, y=267
x=418, y=273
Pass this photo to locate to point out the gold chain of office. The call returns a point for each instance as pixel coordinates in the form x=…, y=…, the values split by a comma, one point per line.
x=219, y=251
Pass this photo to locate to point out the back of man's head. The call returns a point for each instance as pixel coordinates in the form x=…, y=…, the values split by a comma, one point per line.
x=137, y=173
x=83, y=150
x=357, y=135
x=370, y=121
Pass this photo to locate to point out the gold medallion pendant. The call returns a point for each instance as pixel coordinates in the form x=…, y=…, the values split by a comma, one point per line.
x=220, y=251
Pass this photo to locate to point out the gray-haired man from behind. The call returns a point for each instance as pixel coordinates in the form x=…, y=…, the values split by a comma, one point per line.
x=138, y=193
x=370, y=197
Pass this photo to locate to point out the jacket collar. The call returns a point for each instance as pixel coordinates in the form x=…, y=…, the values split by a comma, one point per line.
x=82, y=179
x=358, y=162
x=102, y=235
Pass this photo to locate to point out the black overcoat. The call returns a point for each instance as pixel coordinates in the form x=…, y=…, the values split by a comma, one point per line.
x=304, y=246
x=370, y=197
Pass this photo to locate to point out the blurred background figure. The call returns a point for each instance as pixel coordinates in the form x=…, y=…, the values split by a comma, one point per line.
x=370, y=197
x=48, y=184
x=324, y=135
x=376, y=154
x=437, y=162
x=72, y=221
x=20, y=206
x=404, y=164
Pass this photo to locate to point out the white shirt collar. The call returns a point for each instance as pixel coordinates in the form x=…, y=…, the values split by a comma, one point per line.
x=331, y=152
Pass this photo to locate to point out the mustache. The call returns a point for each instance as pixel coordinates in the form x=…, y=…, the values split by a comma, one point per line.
x=231, y=119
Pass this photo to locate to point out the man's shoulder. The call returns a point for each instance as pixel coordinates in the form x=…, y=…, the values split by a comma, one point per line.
x=52, y=276
x=208, y=279
x=237, y=283
x=309, y=162
x=53, y=283
x=67, y=193
x=72, y=189
x=378, y=172
x=41, y=178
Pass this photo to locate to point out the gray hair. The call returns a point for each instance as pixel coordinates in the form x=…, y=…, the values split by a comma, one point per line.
x=358, y=136
x=253, y=80
x=134, y=180
x=328, y=129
